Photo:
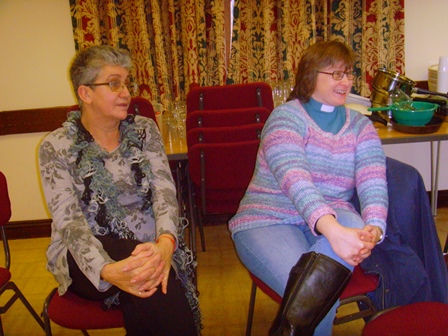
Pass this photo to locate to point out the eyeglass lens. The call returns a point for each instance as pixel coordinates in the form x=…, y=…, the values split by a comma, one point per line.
x=338, y=75
x=116, y=86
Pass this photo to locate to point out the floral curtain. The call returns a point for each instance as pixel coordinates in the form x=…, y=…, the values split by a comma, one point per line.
x=269, y=36
x=173, y=43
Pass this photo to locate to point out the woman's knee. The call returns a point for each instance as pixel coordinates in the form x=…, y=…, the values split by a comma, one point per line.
x=350, y=219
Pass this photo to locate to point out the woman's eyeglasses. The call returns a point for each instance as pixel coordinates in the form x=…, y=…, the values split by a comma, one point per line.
x=118, y=86
x=338, y=75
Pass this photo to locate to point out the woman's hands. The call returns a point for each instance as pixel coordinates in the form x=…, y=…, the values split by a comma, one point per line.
x=352, y=245
x=141, y=273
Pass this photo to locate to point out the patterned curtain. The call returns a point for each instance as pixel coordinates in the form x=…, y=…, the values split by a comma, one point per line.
x=269, y=36
x=173, y=43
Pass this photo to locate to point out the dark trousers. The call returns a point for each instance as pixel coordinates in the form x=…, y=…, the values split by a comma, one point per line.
x=160, y=314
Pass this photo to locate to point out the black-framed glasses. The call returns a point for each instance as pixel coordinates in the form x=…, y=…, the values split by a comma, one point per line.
x=118, y=85
x=338, y=75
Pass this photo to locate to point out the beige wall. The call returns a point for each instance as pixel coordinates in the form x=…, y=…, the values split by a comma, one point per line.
x=37, y=45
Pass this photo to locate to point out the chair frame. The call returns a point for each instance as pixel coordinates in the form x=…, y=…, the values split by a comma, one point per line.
x=10, y=285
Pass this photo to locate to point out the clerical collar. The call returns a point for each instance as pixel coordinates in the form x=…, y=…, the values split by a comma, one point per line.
x=317, y=106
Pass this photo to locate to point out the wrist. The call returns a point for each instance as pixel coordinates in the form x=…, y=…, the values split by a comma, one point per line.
x=380, y=234
x=167, y=237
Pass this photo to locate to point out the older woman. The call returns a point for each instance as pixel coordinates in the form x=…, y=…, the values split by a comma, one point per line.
x=115, y=232
x=314, y=155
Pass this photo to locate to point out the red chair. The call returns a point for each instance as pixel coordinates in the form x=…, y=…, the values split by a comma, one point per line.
x=416, y=319
x=219, y=176
x=72, y=312
x=227, y=117
x=356, y=291
x=221, y=172
x=142, y=106
x=224, y=134
x=5, y=274
x=230, y=97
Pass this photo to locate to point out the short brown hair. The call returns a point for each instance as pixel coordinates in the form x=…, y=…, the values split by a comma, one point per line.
x=316, y=57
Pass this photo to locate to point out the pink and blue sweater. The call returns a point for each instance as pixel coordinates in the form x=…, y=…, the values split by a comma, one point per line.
x=303, y=172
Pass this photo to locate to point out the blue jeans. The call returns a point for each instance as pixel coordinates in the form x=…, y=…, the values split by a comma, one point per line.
x=270, y=252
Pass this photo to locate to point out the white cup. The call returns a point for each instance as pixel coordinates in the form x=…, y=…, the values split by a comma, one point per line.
x=442, y=75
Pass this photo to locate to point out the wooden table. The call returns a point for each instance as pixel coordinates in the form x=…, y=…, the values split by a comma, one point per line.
x=390, y=136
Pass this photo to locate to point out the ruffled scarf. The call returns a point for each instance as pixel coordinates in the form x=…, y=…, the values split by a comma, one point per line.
x=101, y=192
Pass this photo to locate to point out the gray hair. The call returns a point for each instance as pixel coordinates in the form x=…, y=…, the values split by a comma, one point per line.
x=88, y=63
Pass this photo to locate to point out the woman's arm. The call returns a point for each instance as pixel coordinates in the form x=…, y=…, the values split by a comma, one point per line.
x=371, y=181
x=63, y=202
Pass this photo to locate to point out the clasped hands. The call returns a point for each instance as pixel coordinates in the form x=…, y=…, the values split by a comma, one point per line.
x=351, y=244
x=143, y=271
x=357, y=244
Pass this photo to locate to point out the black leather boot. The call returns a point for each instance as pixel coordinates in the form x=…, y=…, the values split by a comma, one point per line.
x=314, y=285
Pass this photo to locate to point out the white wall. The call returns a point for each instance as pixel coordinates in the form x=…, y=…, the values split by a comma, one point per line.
x=425, y=40
x=37, y=46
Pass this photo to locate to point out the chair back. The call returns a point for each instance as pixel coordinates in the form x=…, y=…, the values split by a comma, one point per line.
x=5, y=215
x=5, y=203
x=142, y=106
x=230, y=96
x=224, y=134
x=221, y=173
x=227, y=117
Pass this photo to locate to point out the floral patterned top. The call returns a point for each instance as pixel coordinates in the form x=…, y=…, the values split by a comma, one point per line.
x=139, y=205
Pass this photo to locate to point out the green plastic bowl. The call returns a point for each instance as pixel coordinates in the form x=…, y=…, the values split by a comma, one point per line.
x=418, y=115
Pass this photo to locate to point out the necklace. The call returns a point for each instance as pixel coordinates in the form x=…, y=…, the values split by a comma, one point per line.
x=100, y=191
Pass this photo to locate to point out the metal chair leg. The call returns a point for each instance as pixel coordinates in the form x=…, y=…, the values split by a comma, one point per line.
x=250, y=314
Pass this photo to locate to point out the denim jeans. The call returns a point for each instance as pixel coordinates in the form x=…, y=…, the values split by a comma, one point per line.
x=270, y=252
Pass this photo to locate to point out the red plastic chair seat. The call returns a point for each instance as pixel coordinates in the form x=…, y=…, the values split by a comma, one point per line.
x=5, y=276
x=416, y=319
x=360, y=284
x=71, y=311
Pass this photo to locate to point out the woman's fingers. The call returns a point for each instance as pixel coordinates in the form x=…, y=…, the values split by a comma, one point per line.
x=142, y=247
x=166, y=275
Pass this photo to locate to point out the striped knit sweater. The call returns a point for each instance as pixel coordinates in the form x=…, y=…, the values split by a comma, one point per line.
x=303, y=173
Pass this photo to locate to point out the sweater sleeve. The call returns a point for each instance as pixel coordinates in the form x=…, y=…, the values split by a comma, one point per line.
x=165, y=205
x=69, y=228
x=371, y=183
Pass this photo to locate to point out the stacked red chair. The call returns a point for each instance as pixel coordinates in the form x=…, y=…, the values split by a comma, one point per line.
x=224, y=125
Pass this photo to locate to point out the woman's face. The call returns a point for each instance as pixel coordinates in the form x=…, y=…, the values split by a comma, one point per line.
x=329, y=91
x=106, y=103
